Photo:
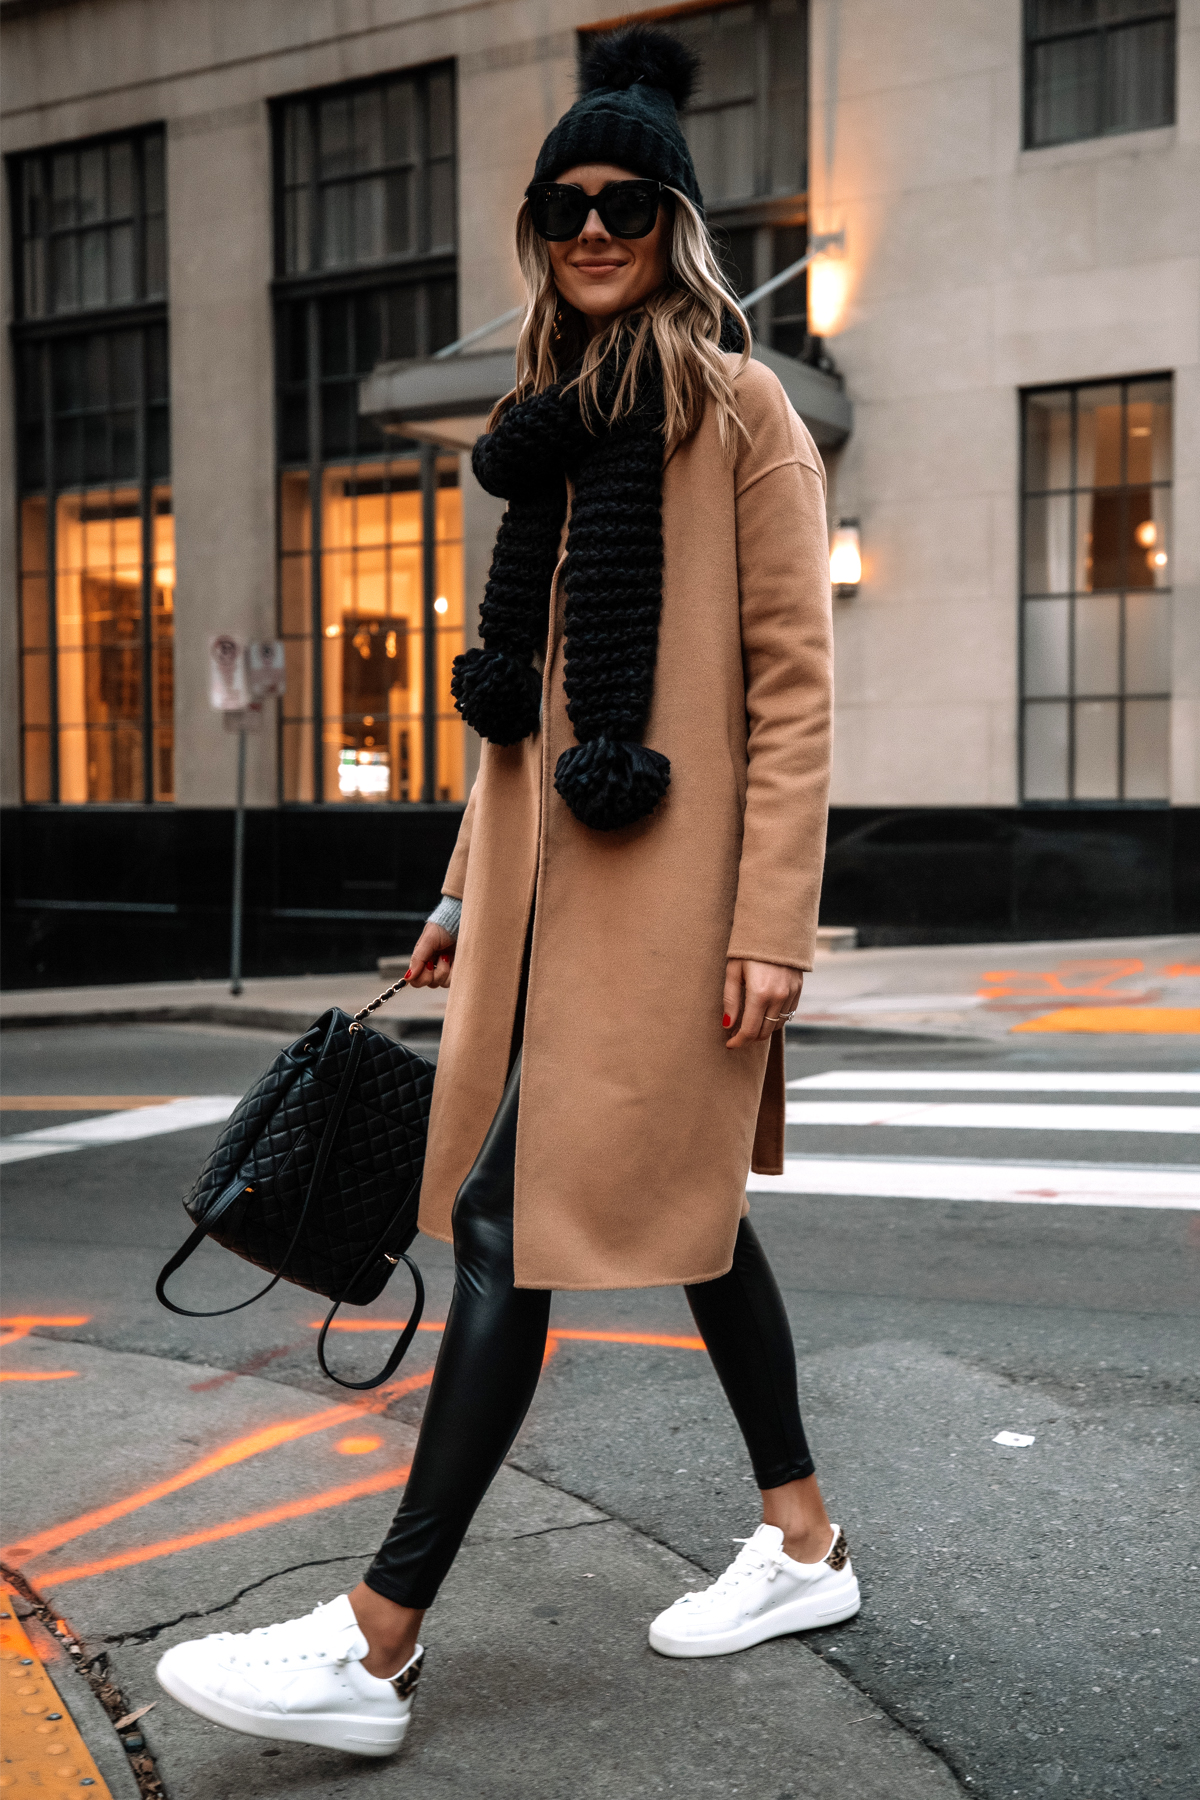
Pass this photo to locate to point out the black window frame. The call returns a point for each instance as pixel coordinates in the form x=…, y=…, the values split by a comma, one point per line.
x=1025, y=597
x=43, y=343
x=140, y=140
x=1106, y=34
x=430, y=277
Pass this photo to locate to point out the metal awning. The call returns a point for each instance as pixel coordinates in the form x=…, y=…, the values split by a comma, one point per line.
x=446, y=400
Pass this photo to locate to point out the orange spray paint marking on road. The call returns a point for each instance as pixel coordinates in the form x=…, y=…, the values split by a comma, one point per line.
x=215, y=1534
x=1142, y=1021
x=239, y=1450
x=19, y=1325
x=1093, y=979
x=662, y=1339
x=40, y=1375
x=1176, y=971
x=357, y=1446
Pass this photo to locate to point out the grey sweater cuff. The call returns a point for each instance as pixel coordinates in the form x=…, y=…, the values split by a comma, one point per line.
x=447, y=914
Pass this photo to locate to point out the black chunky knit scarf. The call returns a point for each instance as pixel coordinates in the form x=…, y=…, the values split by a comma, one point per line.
x=613, y=581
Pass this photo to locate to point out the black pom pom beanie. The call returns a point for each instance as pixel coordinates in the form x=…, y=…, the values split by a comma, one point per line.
x=631, y=83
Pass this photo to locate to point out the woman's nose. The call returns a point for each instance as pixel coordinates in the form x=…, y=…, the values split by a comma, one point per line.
x=593, y=226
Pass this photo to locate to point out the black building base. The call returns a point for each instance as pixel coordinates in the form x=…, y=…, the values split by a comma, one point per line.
x=104, y=894
x=992, y=874
x=122, y=894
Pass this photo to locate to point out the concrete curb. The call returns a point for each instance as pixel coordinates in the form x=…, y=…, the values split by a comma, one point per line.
x=257, y=1018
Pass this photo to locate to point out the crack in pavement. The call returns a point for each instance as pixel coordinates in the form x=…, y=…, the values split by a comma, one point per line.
x=545, y=1530
x=146, y=1634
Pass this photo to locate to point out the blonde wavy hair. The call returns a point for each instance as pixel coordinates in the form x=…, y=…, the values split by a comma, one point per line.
x=682, y=320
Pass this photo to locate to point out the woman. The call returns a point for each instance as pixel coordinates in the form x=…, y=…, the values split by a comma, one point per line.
x=637, y=877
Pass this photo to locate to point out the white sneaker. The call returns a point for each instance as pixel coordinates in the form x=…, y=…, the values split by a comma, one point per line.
x=302, y=1680
x=762, y=1594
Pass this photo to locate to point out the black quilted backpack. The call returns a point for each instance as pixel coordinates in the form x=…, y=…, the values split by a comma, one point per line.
x=317, y=1175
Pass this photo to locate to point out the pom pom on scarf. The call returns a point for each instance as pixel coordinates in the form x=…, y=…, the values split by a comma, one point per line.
x=610, y=782
x=497, y=694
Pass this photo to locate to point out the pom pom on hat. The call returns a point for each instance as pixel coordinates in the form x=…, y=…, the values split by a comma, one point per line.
x=639, y=53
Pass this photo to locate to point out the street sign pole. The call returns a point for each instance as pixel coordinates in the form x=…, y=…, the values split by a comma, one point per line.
x=242, y=678
x=239, y=859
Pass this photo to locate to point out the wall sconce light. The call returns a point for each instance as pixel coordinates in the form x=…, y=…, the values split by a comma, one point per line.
x=845, y=559
x=827, y=285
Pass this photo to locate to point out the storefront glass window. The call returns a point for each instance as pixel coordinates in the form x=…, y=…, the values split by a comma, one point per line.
x=97, y=554
x=371, y=581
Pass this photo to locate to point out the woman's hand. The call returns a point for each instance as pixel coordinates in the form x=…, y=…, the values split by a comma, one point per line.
x=757, y=995
x=432, y=960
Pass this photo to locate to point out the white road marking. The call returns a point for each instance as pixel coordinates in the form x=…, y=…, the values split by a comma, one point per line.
x=1036, y=1184
x=981, y=1115
x=119, y=1127
x=1001, y=1081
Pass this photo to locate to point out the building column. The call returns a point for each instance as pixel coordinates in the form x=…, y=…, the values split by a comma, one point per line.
x=222, y=431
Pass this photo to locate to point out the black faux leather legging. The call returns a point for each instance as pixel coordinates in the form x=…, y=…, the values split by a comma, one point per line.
x=491, y=1357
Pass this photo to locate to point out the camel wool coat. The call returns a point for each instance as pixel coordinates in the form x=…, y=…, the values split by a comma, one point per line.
x=637, y=1126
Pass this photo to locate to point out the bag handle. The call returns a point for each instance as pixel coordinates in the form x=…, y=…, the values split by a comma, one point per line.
x=414, y=1317
x=324, y=1152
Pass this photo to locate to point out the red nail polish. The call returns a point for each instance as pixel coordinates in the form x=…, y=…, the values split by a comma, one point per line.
x=726, y=1022
x=408, y=974
x=432, y=963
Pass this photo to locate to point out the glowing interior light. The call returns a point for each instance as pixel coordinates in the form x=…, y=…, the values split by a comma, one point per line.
x=1158, y=559
x=845, y=558
x=363, y=772
x=332, y=631
x=1139, y=431
x=1147, y=533
x=441, y=604
x=827, y=282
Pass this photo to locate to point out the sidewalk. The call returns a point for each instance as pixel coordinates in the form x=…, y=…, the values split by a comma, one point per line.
x=208, y=1501
x=1113, y=985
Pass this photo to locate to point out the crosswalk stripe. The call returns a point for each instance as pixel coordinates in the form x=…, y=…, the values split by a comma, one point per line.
x=1000, y=1081
x=119, y=1127
x=956, y=1115
x=1036, y=1184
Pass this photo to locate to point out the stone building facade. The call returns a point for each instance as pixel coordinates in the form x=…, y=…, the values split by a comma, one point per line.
x=241, y=232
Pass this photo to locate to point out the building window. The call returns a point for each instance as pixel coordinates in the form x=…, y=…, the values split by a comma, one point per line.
x=1096, y=599
x=747, y=128
x=91, y=227
x=97, y=555
x=1093, y=67
x=371, y=579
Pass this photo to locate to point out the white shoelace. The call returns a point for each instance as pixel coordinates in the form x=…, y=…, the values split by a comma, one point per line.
x=751, y=1561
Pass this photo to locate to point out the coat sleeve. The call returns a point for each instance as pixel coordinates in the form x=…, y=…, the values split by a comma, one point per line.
x=787, y=654
x=456, y=869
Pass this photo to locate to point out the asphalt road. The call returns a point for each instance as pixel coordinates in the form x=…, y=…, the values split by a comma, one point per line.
x=1030, y=1613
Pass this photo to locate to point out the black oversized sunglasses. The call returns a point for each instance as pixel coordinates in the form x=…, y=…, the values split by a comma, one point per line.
x=627, y=209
